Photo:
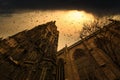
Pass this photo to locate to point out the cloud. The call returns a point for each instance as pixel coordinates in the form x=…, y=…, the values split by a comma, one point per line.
x=95, y=6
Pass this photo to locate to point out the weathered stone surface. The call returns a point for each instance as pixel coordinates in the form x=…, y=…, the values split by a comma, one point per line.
x=96, y=57
x=30, y=54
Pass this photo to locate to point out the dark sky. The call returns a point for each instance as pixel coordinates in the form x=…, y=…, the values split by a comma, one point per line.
x=94, y=6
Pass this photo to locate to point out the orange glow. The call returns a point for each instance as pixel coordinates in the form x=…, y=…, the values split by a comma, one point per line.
x=69, y=23
x=78, y=16
x=75, y=15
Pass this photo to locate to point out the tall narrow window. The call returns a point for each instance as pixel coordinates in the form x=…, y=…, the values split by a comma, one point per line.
x=83, y=65
x=60, y=70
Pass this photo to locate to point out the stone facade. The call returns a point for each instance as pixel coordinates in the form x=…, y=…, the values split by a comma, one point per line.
x=30, y=54
x=95, y=57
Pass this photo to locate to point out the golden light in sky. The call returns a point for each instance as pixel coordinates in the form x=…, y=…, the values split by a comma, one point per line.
x=79, y=16
x=69, y=23
x=75, y=15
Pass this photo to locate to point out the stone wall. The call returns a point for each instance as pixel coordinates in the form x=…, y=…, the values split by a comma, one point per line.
x=96, y=57
x=30, y=54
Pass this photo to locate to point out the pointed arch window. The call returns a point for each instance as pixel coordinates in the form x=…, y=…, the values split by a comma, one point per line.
x=79, y=53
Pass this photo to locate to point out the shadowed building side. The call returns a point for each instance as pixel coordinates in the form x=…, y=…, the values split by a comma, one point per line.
x=95, y=57
x=30, y=54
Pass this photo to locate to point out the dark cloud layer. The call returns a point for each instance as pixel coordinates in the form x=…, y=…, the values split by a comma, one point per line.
x=95, y=6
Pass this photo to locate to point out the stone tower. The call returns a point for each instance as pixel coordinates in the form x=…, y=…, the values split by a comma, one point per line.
x=30, y=54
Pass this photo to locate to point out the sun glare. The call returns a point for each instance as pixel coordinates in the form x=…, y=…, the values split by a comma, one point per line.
x=78, y=16
x=75, y=14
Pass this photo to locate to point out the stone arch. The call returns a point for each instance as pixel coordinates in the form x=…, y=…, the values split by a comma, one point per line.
x=78, y=53
x=83, y=65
